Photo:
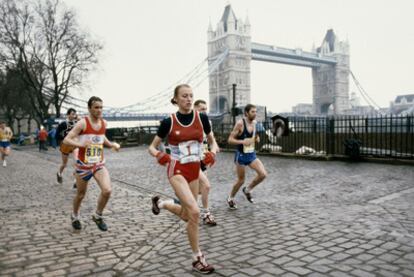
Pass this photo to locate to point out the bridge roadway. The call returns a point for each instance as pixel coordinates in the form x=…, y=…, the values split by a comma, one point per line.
x=269, y=53
x=312, y=218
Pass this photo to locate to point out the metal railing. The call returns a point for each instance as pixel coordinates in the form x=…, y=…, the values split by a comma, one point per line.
x=381, y=136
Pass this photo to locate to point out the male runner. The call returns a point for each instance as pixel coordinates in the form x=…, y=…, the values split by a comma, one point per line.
x=62, y=130
x=244, y=136
x=90, y=132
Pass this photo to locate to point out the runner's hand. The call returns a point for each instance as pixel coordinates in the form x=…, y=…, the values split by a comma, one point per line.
x=87, y=143
x=115, y=146
x=209, y=158
x=163, y=158
x=248, y=141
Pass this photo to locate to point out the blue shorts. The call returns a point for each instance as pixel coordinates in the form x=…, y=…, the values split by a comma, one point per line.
x=244, y=158
x=4, y=144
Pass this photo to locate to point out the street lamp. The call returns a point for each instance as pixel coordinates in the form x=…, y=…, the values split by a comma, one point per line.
x=233, y=109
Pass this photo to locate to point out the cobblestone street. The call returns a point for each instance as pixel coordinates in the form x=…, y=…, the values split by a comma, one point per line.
x=313, y=218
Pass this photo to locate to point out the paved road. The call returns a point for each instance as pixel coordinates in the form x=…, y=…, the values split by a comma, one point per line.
x=312, y=218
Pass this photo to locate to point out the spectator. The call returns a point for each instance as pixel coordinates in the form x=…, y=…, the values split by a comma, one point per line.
x=52, y=137
x=21, y=139
x=42, y=136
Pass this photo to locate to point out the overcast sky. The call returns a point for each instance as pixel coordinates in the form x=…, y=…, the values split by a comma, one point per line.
x=149, y=45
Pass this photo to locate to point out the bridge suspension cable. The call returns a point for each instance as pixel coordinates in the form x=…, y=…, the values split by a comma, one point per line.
x=156, y=100
x=195, y=78
x=364, y=94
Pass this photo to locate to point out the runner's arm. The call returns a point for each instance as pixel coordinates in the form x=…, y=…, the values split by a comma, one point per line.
x=107, y=142
x=152, y=149
x=256, y=135
x=236, y=131
x=162, y=132
x=70, y=139
x=211, y=140
x=59, y=131
x=208, y=130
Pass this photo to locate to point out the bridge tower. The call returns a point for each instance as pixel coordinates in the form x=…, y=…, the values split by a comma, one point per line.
x=233, y=34
x=331, y=82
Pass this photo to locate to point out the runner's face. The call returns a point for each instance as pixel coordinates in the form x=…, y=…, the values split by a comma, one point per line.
x=251, y=115
x=2, y=125
x=72, y=116
x=96, y=109
x=185, y=98
x=202, y=108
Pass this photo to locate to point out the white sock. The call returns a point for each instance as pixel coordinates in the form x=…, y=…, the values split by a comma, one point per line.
x=97, y=215
x=161, y=203
x=197, y=254
x=231, y=198
x=75, y=216
x=247, y=189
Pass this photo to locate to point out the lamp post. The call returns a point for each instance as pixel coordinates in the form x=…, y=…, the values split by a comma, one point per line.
x=233, y=109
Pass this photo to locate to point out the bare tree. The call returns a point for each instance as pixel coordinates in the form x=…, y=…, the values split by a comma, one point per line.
x=45, y=42
x=14, y=101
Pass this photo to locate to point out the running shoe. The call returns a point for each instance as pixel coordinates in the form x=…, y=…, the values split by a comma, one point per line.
x=100, y=222
x=248, y=195
x=155, y=208
x=74, y=186
x=76, y=223
x=208, y=219
x=4, y=163
x=201, y=266
x=59, y=178
x=232, y=204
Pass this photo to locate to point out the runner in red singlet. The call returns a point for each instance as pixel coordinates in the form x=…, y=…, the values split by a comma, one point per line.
x=89, y=136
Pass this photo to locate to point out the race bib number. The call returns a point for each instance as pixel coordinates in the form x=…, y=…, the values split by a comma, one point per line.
x=248, y=148
x=93, y=153
x=190, y=151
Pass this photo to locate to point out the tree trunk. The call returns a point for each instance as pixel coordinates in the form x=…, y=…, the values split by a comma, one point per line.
x=10, y=118
x=18, y=126
x=29, y=125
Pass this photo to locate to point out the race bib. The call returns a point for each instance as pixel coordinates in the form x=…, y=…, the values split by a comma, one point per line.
x=248, y=148
x=93, y=153
x=189, y=151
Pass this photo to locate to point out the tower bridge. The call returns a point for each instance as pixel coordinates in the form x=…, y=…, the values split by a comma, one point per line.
x=329, y=64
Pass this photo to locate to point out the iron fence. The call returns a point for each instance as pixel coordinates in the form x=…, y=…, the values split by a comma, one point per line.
x=382, y=136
